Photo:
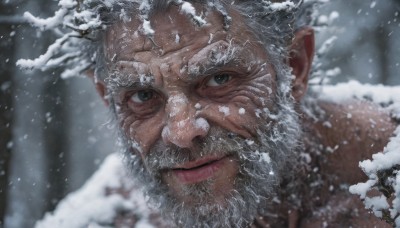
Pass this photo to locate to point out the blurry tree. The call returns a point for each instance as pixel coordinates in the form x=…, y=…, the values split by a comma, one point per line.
x=383, y=39
x=382, y=42
x=52, y=115
x=47, y=120
x=367, y=46
x=56, y=134
x=6, y=108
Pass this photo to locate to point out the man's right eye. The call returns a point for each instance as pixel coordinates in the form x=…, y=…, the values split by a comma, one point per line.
x=142, y=96
x=219, y=80
x=144, y=102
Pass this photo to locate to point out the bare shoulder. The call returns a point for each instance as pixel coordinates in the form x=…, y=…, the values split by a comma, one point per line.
x=351, y=132
x=340, y=211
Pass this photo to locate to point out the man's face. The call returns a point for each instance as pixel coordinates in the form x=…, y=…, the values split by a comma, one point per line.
x=198, y=110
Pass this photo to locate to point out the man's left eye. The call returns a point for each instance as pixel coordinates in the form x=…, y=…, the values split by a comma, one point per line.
x=142, y=96
x=218, y=80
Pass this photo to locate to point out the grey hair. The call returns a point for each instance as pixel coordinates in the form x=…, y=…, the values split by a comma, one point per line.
x=275, y=28
x=82, y=25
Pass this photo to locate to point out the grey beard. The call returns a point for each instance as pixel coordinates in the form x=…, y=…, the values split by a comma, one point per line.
x=255, y=185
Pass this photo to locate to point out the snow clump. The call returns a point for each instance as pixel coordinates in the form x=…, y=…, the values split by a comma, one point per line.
x=95, y=204
x=224, y=110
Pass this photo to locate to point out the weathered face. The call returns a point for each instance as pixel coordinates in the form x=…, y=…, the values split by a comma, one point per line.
x=190, y=102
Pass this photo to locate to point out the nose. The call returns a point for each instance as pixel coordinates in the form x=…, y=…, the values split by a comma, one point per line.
x=183, y=126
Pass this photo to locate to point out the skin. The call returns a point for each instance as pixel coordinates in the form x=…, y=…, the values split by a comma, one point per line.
x=170, y=65
x=164, y=120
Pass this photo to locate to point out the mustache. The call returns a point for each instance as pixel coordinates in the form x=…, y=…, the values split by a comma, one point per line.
x=218, y=143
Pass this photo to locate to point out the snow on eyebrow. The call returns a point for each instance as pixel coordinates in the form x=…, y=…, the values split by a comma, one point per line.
x=127, y=74
x=217, y=54
x=223, y=56
x=118, y=80
x=145, y=79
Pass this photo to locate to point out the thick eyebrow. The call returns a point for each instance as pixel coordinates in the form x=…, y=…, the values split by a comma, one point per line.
x=119, y=81
x=206, y=63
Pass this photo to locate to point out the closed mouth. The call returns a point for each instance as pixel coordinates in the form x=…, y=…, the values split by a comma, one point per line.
x=197, y=171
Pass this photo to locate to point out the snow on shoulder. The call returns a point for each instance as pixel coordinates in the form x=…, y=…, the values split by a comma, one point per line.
x=100, y=200
x=386, y=96
x=383, y=169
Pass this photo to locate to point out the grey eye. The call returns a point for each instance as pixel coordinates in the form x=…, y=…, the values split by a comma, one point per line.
x=142, y=96
x=218, y=80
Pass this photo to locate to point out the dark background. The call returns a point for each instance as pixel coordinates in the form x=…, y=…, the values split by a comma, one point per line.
x=54, y=133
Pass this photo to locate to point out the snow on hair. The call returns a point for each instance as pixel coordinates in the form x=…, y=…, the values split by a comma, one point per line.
x=81, y=24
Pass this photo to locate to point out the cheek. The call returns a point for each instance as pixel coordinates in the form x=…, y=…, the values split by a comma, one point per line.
x=145, y=132
x=234, y=117
x=242, y=111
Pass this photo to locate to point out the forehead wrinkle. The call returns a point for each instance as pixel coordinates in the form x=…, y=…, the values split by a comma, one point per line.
x=149, y=54
x=120, y=36
x=164, y=40
x=121, y=42
x=129, y=67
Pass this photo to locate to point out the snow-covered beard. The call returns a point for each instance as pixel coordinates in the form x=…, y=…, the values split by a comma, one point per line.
x=263, y=163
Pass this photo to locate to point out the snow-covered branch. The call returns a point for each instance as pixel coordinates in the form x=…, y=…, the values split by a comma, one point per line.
x=42, y=61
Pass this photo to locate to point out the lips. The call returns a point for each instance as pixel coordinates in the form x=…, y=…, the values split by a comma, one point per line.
x=194, y=172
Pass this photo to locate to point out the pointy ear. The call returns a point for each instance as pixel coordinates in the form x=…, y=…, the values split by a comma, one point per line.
x=100, y=86
x=301, y=55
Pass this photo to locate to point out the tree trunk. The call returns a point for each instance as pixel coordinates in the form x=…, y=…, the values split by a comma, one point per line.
x=56, y=134
x=6, y=108
x=382, y=44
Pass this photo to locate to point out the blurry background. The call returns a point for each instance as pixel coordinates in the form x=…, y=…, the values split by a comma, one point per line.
x=54, y=133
